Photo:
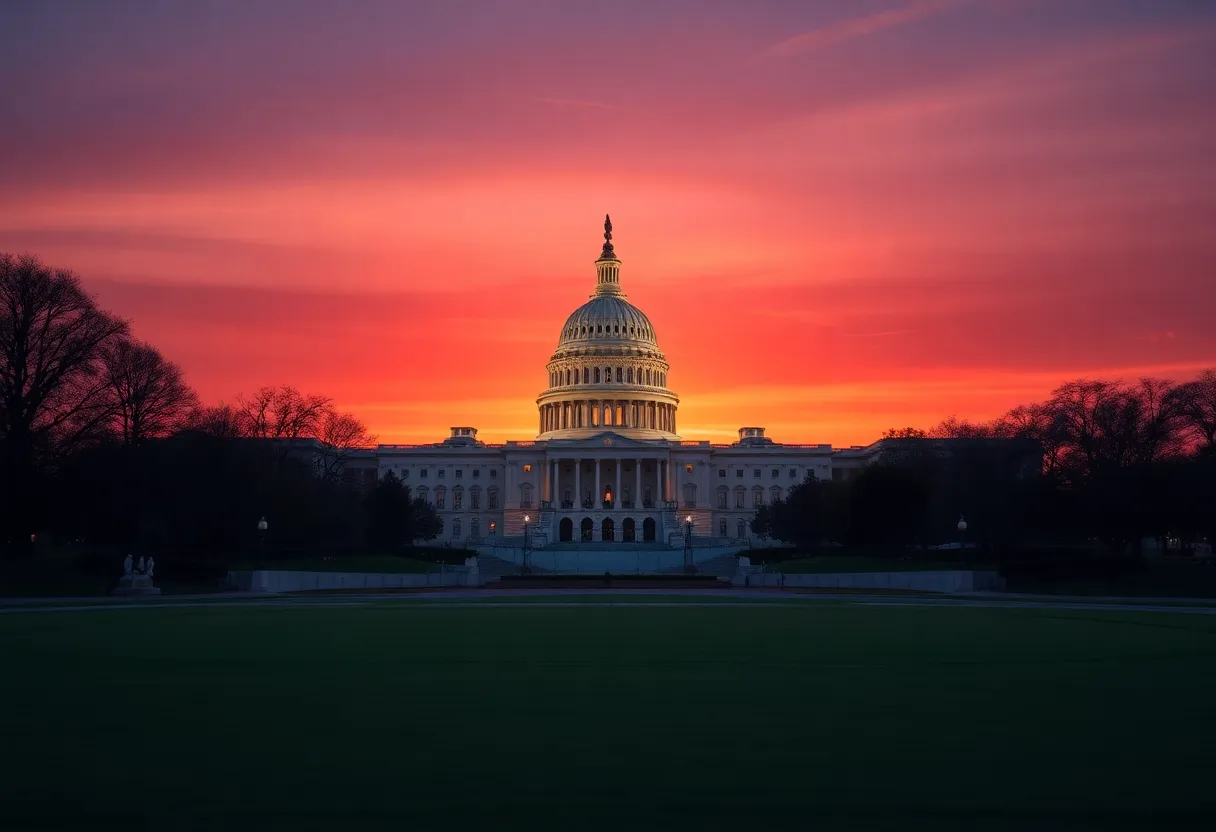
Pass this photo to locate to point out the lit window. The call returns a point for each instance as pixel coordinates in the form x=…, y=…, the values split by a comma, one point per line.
x=527, y=469
x=493, y=528
x=688, y=468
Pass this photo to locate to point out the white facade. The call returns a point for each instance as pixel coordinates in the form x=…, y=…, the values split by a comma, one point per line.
x=607, y=463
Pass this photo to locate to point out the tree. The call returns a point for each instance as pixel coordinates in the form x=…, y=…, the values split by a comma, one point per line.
x=150, y=397
x=52, y=390
x=282, y=413
x=389, y=512
x=341, y=434
x=426, y=524
x=762, y=522
x=222, y=421
x=1197, y=404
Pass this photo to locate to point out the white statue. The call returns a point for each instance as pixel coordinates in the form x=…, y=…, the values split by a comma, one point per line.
x=149, y=566
x=140, y=567
x=126, y=565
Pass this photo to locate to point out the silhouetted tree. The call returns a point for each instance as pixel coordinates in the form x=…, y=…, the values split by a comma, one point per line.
x=222, y=421
x=282, y=413
x=762, y=522
x=388, y=512
x=52, y=390
x=1197, y=404
x=341, y=435
x=425, y=522
x=149, y=395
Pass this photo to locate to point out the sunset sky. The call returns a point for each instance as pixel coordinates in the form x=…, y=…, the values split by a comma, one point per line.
x=840, y=216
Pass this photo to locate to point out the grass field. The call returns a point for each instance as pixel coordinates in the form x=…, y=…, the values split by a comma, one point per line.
x=740, y=717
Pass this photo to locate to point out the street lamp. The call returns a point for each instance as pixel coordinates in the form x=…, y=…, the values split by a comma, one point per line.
x=688, y=566
x=527, y=543
x=962, y=538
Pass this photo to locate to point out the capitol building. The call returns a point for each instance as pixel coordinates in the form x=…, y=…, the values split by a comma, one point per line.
x=607, y=465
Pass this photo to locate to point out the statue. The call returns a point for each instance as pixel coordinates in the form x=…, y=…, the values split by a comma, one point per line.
x=148, y=566
x=140, y=567
x=126, y=565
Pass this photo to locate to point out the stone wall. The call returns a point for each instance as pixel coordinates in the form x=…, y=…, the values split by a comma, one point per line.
x=936, y=581
x=266, y=580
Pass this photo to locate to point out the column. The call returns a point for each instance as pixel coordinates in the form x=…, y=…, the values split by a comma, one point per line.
x=598, y=495
x=662, y=480
x=553, y=481
x=616, y=495
x=578, y=494
x=677, y=470
x=637, y=488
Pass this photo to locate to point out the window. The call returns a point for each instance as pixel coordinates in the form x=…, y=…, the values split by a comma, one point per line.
x=440, y=473
x=776, y=473
x=492, y=501
x=597, y=375
x=688, y=468
x=525, y=495
x=756, y=474
x=722, y=498
x=455, y=528
x=405, y=475
x=774, y=494
x=422, y=473
x=630, y=375
x=741, y=529
x=474, y=528
x=586, y=376
x=493, y=529
x=493, y=473
x=475, y=499
x=722, y=528
x=758, y=497
x=740, y=496
x=690, y=495
x=457, y=498
x=423, y=494
x=440, y=498
x=721, y=472
x=793, y=473
x=527, y=469
x=459, y=473
x=620, y=375
x=739, y=474
x=476, y=473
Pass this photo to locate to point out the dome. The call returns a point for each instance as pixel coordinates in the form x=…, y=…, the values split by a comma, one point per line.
x=607, y=319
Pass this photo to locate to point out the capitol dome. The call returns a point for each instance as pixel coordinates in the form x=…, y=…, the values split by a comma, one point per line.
x=607, y=372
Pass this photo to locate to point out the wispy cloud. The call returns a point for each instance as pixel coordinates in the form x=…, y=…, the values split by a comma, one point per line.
x=858, y=27
x=586, y=104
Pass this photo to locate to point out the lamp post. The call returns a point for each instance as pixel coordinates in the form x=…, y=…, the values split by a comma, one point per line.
x=527, y=544
x=688, y=566
x=262, y=527
x=962, y=539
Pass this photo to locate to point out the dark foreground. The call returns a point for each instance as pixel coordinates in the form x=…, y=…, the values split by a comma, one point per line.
x=740, y=717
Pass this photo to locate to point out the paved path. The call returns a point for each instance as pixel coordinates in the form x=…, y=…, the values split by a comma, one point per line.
x=459, y=597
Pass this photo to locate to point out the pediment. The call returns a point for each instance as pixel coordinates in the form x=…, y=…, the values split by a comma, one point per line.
x=607, y=440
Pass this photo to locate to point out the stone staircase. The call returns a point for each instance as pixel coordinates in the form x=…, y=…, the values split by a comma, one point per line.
x=493, y=568
x=723, y=566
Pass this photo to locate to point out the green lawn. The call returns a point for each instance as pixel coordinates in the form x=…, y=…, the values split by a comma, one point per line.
x=601, y=717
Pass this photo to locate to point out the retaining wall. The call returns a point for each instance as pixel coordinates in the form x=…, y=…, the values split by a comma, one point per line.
x=599, y=561
x=937, y=581
x=266, y=580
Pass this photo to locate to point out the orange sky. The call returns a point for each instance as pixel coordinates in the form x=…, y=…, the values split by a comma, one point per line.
x=840, y=217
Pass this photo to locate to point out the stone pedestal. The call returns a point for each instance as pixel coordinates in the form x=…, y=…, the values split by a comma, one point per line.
x=136, y=585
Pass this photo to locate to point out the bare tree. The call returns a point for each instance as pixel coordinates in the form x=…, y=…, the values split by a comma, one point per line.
x=282, y=413
x=150, y=395
x=1197, y=405
x=221, y=420
x=342, y=434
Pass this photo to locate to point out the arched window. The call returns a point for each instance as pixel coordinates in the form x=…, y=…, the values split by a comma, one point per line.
x=474, y=498
x=525, y=495
x=441, y=496
x=423, y=494
x=597, y=375
x=774, y=494
x=455, y=529
x=740, y=497
x=586, y=376
x=757, y=497
x=648, y=376
x=457, y=498
x=722, y=527
x=492, y=499
x=690, y=495
x=607, y=375
x=629, y=376
x=741, y=529
x=567, y=376
x=620, y=375
x=722, y=498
